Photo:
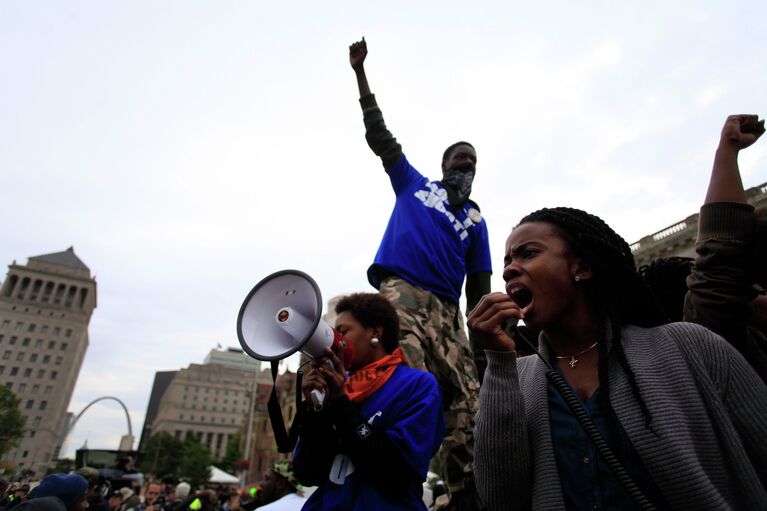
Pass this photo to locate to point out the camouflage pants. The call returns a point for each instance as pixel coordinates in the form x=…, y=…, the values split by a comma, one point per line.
x=433, y=338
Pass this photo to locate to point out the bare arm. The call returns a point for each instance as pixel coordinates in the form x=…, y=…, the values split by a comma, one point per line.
x=739, y=132
x=357, y=54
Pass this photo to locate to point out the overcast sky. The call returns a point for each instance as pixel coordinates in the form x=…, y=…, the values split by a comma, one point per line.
x=189, y=149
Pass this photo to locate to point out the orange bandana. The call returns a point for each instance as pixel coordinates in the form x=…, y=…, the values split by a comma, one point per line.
x=363, y=382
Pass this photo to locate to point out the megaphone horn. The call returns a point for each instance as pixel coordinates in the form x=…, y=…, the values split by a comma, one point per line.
x=280, y=316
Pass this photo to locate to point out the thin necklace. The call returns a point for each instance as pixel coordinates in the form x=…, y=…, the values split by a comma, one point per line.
x=574, y=358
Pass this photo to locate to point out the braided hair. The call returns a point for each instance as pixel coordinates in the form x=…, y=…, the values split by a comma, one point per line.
x=667, y=278
x=615, y=290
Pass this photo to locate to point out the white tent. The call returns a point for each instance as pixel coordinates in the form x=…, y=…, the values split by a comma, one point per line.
x=219, y=476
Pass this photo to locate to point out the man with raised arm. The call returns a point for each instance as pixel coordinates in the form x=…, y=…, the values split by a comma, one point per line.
x=436, y=238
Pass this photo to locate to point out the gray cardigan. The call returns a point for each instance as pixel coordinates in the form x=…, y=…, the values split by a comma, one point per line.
x=706, y=447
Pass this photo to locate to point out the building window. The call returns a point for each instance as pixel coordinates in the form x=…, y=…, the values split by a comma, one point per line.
x=14, y=371
x=68, y=332
x=2, y=369
x=46, y=359
x=6, y=355
x=59, y=360
x=6, y=323
x=39, y=343
x=51, y=345
x=22, y=388
x=24, y=454
x=33, y=357
x=54, y=374
x=31, y=327
x=48, y=389
x=13, y=340
x=64, y=346
x=19, y=324
x=30, y=404
x=35, y=388
x=43, y=404
x=41, y=373
x=36, y=422
x=56, y=331
x=27, y=372
x=26, y=341
x=9, y=385
x=1, y=337
x=20, y=356
x=44, y=329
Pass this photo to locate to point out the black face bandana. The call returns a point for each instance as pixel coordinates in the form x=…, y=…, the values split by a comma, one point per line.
x=457, y=183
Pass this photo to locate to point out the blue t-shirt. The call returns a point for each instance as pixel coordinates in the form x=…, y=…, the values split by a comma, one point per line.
x=426, y=242
x=408, y=407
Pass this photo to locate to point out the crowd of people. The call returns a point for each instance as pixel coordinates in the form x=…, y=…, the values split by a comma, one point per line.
x=87, y=489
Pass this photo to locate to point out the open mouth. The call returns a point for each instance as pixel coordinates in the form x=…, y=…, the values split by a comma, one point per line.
x=521, y=296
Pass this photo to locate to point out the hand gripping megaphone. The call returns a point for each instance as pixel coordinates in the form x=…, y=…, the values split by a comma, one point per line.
x=282, y=315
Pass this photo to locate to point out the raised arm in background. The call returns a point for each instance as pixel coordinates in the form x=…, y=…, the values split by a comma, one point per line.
x=379, y=138
x=721, y=294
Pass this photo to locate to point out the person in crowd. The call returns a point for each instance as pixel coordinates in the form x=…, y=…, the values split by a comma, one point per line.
x=436, y=238
x=181, y=494
x=680, y=408
x=369, y=446
x=96, y=500
x=129, y=501
x=115, y=500
x=154, y=496
x=126, y=465
x=279, y=489
x=41, y=504
x=15, y=495
x=72, y=489
x=667, y=279
x=232, y=502
x=204, y=500
x=726, y=287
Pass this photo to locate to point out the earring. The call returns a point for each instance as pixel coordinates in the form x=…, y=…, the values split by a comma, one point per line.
x=577, y=278
x=374, y=341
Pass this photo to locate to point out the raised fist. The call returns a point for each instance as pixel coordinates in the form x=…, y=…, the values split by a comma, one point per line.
x=357, y=53
x=740, y=131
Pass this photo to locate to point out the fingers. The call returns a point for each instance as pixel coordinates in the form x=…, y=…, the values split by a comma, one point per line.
x=337, y=362
x=490, y=316
x=495, y=308
x=359, y=45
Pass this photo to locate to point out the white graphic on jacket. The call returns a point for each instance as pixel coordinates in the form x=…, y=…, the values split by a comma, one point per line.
x=435, y=197
x=342, y=465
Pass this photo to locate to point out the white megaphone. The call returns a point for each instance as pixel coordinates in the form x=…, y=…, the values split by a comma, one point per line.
x=282, y=315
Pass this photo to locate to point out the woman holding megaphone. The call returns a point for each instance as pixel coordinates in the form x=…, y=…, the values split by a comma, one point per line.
x=370, y=445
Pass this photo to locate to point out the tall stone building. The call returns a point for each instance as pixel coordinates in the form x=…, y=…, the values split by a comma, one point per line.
x=213, y=401
x=45, y=308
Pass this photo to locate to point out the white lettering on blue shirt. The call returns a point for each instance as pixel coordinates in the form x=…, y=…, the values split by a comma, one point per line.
x=435, y=197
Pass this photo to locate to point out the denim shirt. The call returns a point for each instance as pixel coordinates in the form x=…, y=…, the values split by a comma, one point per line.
x=587, y=481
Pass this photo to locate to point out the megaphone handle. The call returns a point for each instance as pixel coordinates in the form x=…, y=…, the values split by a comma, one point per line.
x=318, y=399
